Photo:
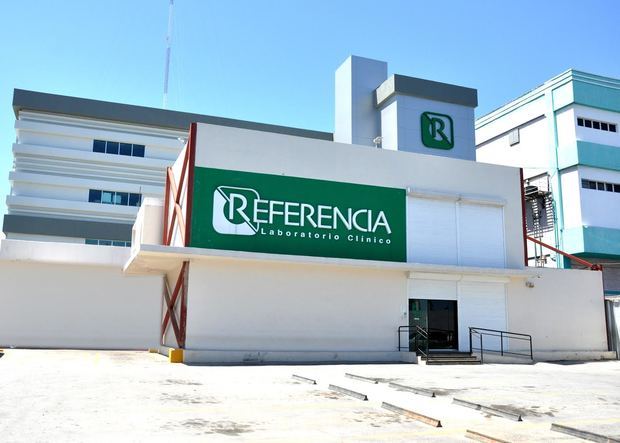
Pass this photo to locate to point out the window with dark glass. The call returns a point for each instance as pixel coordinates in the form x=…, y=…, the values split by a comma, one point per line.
x=125, y=149
x=134, y=199
x=111, y=148
x=595, y=124
x=600, y=186
x=114, y=198
x=118, y=148
x=138, y=150
x=94, y=196
x=98, y=146
x=101, y=242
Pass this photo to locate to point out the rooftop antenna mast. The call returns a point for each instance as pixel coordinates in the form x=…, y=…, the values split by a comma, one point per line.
x=168, y=44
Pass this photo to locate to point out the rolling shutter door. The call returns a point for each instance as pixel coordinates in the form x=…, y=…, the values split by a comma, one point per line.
x=481, y=235
x=431, y=231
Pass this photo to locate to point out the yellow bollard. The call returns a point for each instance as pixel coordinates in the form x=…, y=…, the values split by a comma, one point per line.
x=175, y=355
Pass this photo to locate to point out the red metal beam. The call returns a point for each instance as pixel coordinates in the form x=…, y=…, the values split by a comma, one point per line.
x=183, y=314
x=180, y=289
x=170, y=302
x=592, y=266
x=189, y=203
x=164, y=240
x=525, y=254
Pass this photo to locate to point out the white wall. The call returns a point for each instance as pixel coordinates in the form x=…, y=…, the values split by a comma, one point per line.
x=516, y=114
x=55, y=166
x=563, y=311
x=357, y=120
x=571, y=198
x=409, y=136
x=241, y=305
x=239, y=149
x=600, y=208
x=73, y=306
x=533, y=152
x=595, y=135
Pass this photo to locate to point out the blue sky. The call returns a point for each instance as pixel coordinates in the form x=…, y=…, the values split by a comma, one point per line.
x=273, y=61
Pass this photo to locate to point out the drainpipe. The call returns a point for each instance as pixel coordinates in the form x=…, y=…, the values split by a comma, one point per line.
x=555, y=172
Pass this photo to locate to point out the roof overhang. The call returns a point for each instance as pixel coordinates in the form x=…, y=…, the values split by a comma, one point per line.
x=157, y=259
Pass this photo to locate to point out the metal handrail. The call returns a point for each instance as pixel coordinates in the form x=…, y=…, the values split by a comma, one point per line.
x=581, y=261
x=501, y=334
x=420, y=335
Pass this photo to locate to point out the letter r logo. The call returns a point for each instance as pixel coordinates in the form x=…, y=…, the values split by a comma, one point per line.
x=437, y=130
x=232, y=210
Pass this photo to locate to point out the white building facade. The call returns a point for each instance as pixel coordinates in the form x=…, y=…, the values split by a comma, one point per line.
x=282, y=244
x=566, y=135
x=82, y=167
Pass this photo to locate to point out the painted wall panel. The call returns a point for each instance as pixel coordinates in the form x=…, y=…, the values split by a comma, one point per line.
x=481, y=305
x=481, y=236
x=244, y=305
x=572, y=299
x=431, y=231
x=432, y=289
x=532, y=152
x=600, y=208
x=409, y=112
x=596, y=135
x=91, y=307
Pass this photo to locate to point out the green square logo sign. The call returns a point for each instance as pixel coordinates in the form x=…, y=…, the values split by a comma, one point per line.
x=437, y=130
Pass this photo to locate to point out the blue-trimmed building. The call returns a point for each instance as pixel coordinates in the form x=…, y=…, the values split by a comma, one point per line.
x=566, y=135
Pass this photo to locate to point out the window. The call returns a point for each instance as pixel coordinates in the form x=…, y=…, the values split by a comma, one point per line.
x=98, y=146
x=125, y=149
x=600, y=186
x=117, y=148
x=138, y=151
x=114, y=198
x=94, y=196
x=135, y=199
x=594, y=124
x=99, y=242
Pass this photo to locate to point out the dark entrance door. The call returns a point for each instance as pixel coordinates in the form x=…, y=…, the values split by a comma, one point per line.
x=439, y=317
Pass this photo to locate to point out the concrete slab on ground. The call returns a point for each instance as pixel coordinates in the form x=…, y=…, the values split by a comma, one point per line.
x=65, y=395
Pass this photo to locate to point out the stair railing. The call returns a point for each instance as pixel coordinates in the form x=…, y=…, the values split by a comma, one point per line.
x=417, y=336
x=480, y=332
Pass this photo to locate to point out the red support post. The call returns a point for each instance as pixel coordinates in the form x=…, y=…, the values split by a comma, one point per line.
x=189, y=203
x=521, y=182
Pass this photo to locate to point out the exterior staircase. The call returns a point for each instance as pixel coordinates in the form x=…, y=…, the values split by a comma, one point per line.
x=450, y=358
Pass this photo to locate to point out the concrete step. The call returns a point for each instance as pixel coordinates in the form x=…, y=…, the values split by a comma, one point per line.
x=449, y=355
x=456, y=361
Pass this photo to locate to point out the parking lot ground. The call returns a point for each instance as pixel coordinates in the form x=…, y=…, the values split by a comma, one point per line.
x=67, y=395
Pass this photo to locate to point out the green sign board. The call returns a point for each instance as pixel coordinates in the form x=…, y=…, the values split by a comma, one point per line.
x=246, y=211
x=437, y=130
